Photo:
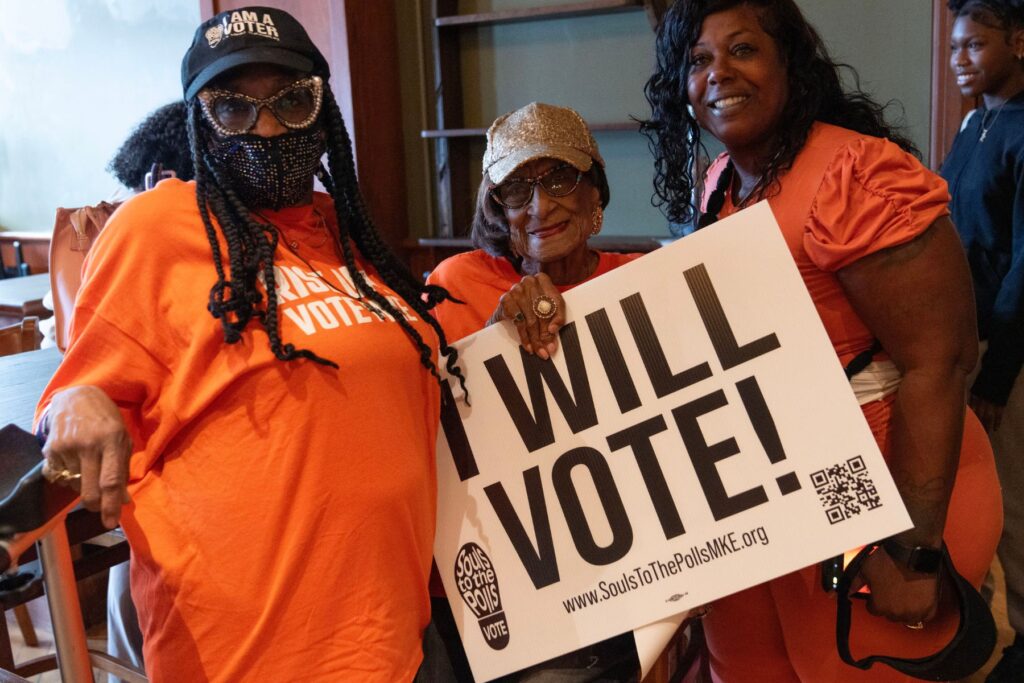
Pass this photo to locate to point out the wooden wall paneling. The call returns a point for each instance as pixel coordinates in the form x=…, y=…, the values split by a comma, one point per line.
x=655, y=11
x=207, y=8
x=451, y=171
x=359, y=39
x=948, y=106
x=456, y=147
x=376, y=100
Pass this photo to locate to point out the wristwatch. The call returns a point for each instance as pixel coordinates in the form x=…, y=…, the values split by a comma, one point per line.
x=921, y=559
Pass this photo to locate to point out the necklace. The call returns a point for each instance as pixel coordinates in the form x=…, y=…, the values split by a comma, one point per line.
x=985, y=129
x=355, y=294
x=293, y=245
x=741, y=202
x=321, y=228
x=313, y=271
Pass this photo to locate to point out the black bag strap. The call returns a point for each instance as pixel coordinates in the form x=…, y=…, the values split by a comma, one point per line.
x=970, y=648
x=975, y=638
x=862, y=360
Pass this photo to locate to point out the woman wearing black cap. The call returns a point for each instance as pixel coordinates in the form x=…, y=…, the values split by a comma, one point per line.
x=252, y=364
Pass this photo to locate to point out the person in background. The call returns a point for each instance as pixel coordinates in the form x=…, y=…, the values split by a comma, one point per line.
x=541, y=199
x=161, y=138
x=985, y=172
x=868, y=229
x=252, y=363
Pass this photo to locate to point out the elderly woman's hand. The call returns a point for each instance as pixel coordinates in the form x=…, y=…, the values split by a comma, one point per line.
x=525, y=304
x=86, y=436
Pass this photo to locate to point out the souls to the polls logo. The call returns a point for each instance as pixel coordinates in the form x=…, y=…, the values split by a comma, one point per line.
x=478, y=586
x=214, y=34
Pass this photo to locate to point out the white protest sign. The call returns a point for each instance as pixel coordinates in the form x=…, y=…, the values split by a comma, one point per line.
x=694, y=435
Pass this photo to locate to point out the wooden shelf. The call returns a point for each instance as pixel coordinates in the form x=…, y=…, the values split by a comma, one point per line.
x=573, y=9
x=454, y=143
x=626, y=126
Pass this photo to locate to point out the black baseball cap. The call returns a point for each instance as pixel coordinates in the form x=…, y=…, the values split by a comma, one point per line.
x=249, y=35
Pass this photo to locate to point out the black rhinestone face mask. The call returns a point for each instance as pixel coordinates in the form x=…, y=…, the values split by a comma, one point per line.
x=270, y=173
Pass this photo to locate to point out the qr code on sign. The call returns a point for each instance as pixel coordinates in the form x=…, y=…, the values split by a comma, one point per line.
x=845, y=489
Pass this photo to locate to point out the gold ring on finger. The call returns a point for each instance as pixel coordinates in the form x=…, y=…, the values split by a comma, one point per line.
x=519, y=317
x=545, y=307
x=64, y=476
x=61, y=476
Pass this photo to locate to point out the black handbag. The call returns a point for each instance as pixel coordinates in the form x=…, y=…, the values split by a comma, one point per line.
x=970, y=648
x=975, y=637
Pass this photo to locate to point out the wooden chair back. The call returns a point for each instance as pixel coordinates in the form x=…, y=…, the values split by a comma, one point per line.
x=19, y=337
x=74, y=232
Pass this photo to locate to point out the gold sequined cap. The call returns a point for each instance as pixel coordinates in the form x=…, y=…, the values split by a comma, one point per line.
x=538, y=131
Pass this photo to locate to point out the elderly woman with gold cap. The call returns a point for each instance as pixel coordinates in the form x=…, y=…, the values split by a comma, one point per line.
x=541, y=199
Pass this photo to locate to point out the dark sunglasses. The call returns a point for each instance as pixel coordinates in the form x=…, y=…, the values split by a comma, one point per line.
x=295, y=106
x=515, y=193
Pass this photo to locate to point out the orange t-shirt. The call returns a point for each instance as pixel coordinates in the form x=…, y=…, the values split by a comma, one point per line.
x=283, y=515
x=479, y=279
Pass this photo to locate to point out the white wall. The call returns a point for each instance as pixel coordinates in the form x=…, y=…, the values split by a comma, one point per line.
x=76, y=76
x=889, y=42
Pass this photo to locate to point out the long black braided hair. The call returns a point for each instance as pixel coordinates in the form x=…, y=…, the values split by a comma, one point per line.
x=815, y=94
x=235, y=299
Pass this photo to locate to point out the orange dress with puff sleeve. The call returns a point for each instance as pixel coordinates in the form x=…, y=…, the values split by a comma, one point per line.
x=846, y=196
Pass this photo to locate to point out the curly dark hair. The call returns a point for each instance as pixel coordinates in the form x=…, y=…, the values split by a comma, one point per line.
x=235, y=299
x=490, y=226
x=161, y=138
x=1005, y=15
x=815, y=94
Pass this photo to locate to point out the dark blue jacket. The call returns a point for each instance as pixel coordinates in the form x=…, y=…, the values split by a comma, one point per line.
x=986, y=180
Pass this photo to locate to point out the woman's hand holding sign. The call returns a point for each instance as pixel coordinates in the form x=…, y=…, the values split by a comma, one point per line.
x=536, y=308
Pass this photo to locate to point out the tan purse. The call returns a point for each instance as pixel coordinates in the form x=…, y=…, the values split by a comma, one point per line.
x=74, y=233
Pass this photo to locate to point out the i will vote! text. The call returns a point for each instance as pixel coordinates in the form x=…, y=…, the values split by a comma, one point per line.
x=531, y=417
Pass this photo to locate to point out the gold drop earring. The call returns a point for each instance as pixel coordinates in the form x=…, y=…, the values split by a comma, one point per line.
x=596, y=220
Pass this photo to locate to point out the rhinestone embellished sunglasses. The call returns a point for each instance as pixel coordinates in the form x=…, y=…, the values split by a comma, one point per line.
x=515, y=193
x=295, y=106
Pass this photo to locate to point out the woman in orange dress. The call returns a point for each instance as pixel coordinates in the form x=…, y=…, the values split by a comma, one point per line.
x=867, y=226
